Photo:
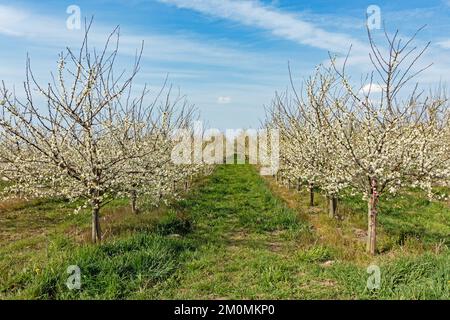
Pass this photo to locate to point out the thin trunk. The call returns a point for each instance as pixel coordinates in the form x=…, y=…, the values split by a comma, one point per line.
x=311, y=195
x=186, y=185
x=96, y=231
x=133, y=201
x=372, y=217
x=332, y=206
x=299, y=185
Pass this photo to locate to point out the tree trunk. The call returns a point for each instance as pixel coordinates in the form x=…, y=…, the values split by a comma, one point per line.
x=299, y=185
x=332, y=206
x=311, y=195
x=186, y=185
x=133, y=201
x=372, y=217
x=96, y=231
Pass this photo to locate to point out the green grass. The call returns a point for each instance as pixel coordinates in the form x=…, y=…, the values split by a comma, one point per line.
x=135, y=256
x=420, y=277
x=242, y=231
x=409, y=216
x=253, y=246
x=236, y=236
x=114, y=270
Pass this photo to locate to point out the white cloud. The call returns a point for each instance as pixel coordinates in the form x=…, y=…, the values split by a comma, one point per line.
x=255, y=75
x=10, y=17
x=51, y=31
x=223, y=100
x=281, y=24
x=371, y=88
x=300, y=28
x=445, y=44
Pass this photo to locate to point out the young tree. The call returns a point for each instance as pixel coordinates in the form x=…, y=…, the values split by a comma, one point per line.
x=378, y=130
x=310, y=153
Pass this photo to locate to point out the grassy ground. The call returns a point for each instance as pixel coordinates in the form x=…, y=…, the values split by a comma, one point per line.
x=39, y=239
x=236, y=236
x=413, y=239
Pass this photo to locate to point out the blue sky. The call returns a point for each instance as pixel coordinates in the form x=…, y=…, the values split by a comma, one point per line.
x=227, y=56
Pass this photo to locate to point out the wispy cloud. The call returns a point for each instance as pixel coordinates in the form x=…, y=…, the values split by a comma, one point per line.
x=444, y=44
x=279, y=23
x=9, y=18
x=50, y=30
x=304, y=30
x=216, y=66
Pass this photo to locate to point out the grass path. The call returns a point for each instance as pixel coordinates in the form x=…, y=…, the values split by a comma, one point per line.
x=249, y=243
